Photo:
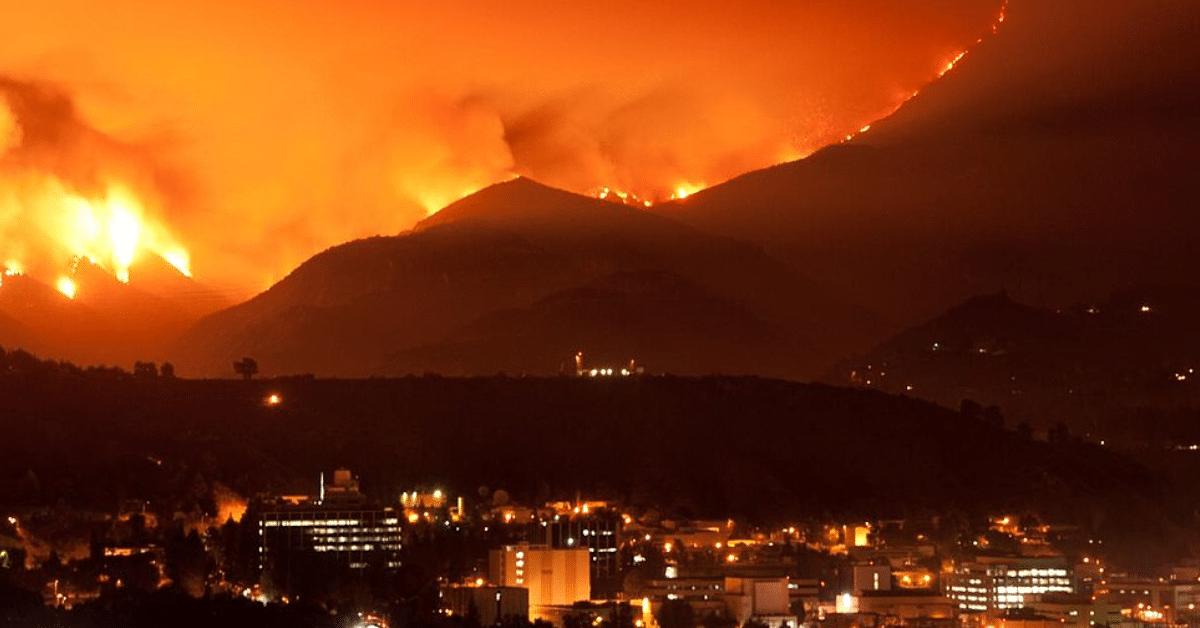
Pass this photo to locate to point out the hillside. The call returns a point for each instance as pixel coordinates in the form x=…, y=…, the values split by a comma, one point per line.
x=644, y=316
x=1123, y=369
x=106, y=322
x=461, y=280
x=706, y=447
x=1054, y=160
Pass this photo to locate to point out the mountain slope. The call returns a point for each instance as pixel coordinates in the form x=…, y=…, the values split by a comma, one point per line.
x=106, y=321
x=1125, y=369
x=1055, y=160
x=503, y=249
x=647, y=316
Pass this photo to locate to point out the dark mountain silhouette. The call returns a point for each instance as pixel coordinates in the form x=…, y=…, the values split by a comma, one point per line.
x=450, y=294
x=1055, y=160
x=1123, y=369
x=646, y=316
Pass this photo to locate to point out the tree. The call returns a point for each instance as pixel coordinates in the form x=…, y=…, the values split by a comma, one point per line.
x=246, y=367
x=1059, y=433
x=713, y=619
x=145, y=370
x=970, y=409
x=676, y=614
x=993, y=416
x=167, y=370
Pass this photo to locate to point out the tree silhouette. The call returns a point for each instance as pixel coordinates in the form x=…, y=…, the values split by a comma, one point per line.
x=246, y=367
x=145, y=370
x=993, y=416
x=167, y=370
x=676, y=614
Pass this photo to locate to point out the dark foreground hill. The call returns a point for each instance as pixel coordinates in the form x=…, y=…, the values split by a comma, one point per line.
x=518, y=278
x=756, y=448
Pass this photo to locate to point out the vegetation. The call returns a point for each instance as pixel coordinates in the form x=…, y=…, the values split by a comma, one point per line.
x=756, y=449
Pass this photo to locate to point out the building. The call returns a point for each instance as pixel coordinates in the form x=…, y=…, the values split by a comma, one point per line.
x=1153, y=600
x=338, y=532
x=704, y=592
x=1028, y=620
x=992, y=583
x=597, y=529
x=870, y=577
x=1077, y=611
x=764, y=600
x=554, y=577
x=909, y=605
x=490, y=604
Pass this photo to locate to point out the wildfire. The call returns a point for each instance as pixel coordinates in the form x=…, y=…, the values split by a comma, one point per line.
x=679, y=192
x=684, y=190
x=946, y=68
x=66, y=286
x=109, y=230
x=622, y=197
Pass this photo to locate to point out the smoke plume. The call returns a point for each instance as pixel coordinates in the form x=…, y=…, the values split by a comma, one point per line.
x=259, y=132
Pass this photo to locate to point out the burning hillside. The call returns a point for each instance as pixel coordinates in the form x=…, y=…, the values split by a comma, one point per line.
x=339, y=122
x=69, y=193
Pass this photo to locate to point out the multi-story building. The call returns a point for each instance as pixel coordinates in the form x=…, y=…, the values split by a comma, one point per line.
x=554, y=577
x=596, y=529
x=992, y=583
x=336, y=532
x=704, y=592
x=1153, y=600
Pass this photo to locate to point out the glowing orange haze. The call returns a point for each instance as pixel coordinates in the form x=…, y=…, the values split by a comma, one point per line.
x=254, y=133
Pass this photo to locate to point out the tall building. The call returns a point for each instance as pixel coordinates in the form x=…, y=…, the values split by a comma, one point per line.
x=597, y=530
x=554, y=577
x=1001, y=583
x=337, y=532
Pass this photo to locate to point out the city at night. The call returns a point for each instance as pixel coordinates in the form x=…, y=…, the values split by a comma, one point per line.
x=632, y=314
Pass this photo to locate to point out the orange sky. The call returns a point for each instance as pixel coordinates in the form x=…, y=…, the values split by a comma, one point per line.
x=273, y=129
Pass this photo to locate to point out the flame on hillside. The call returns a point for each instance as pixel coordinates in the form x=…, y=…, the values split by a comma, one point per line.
x=60, y=204
x=947, y=67
x=683, y=190
x=230, y=505
x=315, y=136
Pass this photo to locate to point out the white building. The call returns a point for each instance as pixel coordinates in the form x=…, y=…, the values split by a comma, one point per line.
x=1002, y=583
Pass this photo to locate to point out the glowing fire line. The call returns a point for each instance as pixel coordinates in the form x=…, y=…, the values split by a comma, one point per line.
x=685, y=189
x=109, y=231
